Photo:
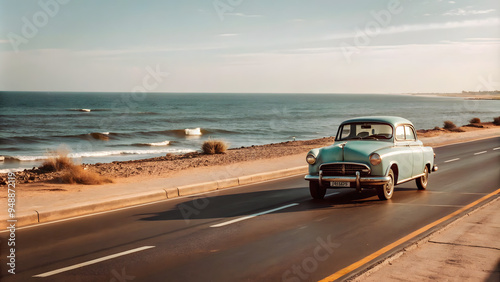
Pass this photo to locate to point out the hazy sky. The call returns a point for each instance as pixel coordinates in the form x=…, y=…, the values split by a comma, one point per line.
x=355, y=46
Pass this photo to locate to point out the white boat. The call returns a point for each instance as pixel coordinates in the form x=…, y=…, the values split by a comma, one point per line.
x=85, y=110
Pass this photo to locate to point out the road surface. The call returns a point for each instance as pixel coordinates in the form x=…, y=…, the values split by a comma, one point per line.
x=271, y=231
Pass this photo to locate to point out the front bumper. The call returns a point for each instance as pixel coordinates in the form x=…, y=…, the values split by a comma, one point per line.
x=370, y=180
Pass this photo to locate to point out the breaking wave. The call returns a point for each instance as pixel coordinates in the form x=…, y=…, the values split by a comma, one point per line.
x=100, y=154
x=155, y=144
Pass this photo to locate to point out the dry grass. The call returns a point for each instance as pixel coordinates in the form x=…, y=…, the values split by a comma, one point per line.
x=57, y=163
x=449, y=125
x=214, y=147
x=475, y=120
x=71, y=173
x=78, y=175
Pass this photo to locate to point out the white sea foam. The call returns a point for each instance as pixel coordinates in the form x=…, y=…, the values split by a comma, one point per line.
x=126, y=152
x=7, y=170
x=193, y=131
x=27, y=158
x=164, y=143
x=77, y=155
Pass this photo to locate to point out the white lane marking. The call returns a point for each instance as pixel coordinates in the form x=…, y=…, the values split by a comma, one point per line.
x=452, y=160
x=497, y=148
x=479, y=153
x=331, y=194
x=253, y=215
x=57, y=271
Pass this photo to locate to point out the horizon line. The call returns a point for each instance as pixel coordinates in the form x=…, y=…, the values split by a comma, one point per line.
x=273, y=93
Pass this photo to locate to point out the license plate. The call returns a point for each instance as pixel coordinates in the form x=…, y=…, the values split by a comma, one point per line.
x=340, y=184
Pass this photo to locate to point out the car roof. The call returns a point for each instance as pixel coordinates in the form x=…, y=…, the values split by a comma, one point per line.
x=384, y=119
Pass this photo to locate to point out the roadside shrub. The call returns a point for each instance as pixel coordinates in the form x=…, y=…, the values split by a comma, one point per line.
x=496, y=121
x=77, y=175
x=214, y=147
x=71, y=173
x=59, y=161
x=449, y=125
x=475, y=120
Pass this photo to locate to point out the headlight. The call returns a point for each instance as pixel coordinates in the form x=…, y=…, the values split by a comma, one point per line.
x=311, y=159
x=375, y=159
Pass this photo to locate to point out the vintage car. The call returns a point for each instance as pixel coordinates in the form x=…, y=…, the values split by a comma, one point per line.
x=371, y=152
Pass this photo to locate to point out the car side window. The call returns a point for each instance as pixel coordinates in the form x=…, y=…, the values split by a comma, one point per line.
x=410, y=135
x=400, y=132
x=346, y=132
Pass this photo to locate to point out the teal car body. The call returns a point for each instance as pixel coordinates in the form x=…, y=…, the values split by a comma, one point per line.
x=371, y=152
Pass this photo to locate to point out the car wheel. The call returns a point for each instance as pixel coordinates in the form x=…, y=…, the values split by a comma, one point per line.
x=385, y=191
x=317, y=192
x=422, y=180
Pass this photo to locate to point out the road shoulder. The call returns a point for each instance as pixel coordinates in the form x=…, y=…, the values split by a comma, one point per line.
x=467, y=250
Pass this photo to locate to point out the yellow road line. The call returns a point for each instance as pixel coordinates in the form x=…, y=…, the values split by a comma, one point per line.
x=406, y=238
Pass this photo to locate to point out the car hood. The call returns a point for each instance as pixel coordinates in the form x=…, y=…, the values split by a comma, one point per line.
x=354, y=151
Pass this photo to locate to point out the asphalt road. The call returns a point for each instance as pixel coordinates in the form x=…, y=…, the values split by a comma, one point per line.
x=272, y=231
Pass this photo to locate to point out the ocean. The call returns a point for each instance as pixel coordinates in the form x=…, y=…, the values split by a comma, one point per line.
x=106, y=127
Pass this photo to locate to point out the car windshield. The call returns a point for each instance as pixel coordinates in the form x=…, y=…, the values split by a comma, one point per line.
x=364, y=131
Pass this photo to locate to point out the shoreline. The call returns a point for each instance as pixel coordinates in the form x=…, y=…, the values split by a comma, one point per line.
x=465, y=96
x=170, y=164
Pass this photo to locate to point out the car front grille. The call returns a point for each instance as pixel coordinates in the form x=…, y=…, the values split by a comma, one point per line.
x=344, y=169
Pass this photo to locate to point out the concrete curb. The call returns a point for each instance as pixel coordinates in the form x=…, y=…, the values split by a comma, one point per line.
x=197, y=188
x=47, y=214
x=226, y=183
x=23, y=218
